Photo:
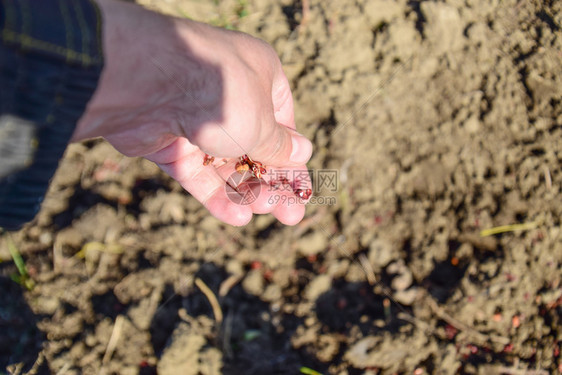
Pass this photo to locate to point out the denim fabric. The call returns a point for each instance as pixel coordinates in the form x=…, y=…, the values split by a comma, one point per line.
x=50, y=64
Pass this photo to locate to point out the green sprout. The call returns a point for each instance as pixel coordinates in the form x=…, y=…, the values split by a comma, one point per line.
x=251, y=334
x=242, y=8
x=508, y=228
x=22, y=277
x=309, y=371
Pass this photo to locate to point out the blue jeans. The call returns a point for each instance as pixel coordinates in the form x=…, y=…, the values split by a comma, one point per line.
x=50, y=63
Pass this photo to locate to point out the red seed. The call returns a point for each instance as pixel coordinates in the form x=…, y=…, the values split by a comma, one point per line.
x=303, y=193
x=515, y=321
x=241, y=167
x=207, y=159
x=450, y=331
x=257, y=171
x=268, y=274
x=246, y=164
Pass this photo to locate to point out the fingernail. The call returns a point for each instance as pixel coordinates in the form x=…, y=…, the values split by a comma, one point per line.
x=302, y=149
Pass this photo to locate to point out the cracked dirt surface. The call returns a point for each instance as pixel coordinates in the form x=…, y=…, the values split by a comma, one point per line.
x=441, y=119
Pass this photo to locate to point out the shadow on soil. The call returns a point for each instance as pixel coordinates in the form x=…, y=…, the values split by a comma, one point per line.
x=20, y=339
x=250, y=342
x=255, y=337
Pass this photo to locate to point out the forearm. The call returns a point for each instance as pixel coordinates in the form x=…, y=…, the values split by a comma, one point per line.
x=127, y=30
x=151, y=62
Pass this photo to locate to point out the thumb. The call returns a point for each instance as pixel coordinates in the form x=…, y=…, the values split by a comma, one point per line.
x=281, y=146
x=279, y=143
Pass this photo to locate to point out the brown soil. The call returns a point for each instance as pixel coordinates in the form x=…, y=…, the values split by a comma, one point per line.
x=441, y=119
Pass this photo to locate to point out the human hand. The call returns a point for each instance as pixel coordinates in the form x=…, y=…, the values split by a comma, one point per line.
x=174, y=89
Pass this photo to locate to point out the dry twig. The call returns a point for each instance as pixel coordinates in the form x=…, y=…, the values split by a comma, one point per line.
x=368, y=269
x=114, y=339
x=228, y=284
x=305, y=14
x=518, y=371
x=464, y=327
x=38, y=362
x=217, y=312
x=547, y=178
